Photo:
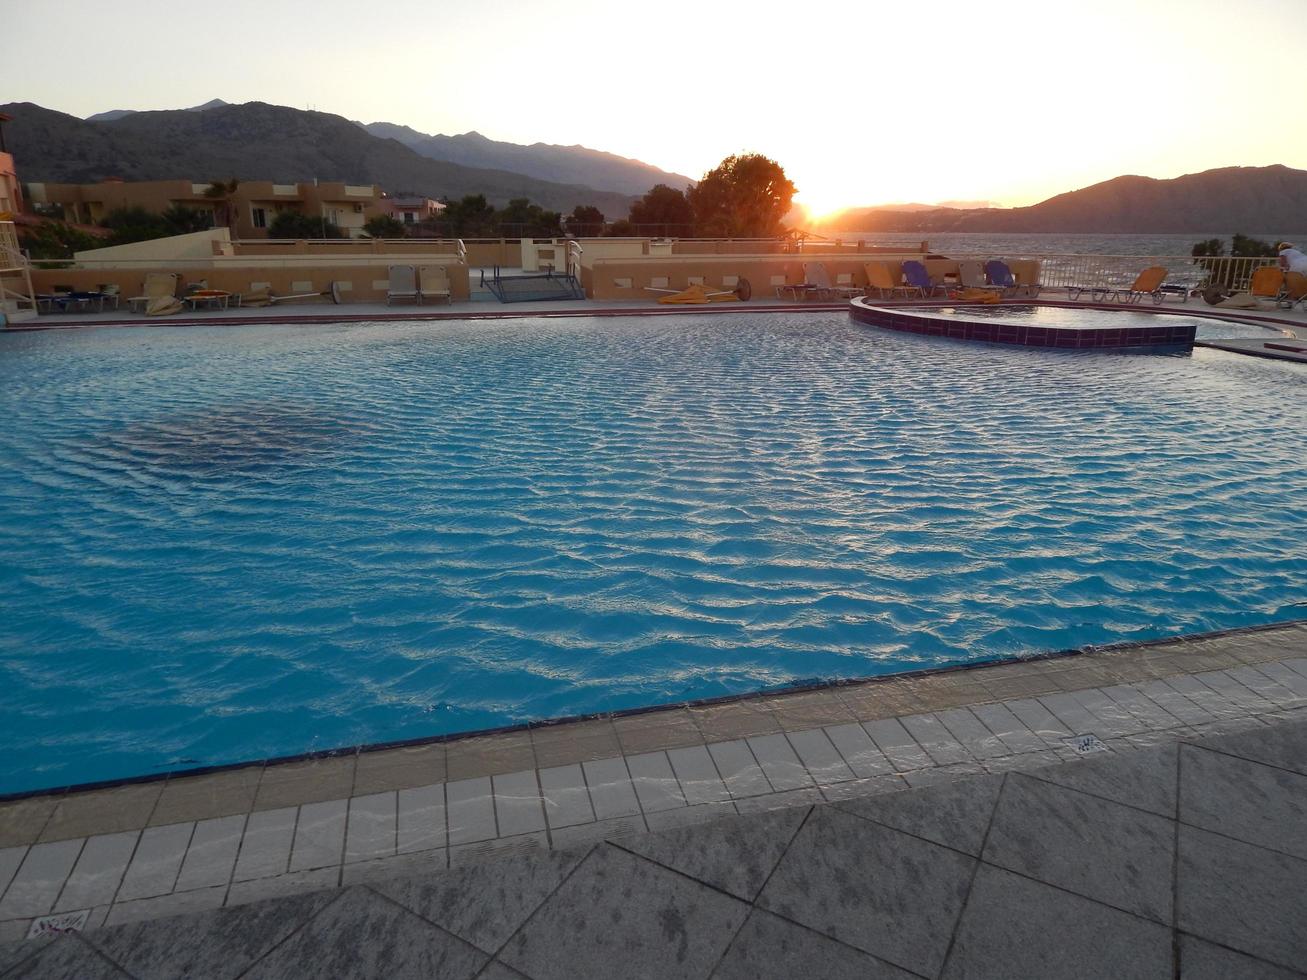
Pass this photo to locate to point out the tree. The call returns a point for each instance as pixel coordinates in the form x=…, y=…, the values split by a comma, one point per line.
x=470, y=217
x=220, y=192
x=182, y=220
x=584, y=221
x=664, y=206
x=744, y=197
x=384, y=226
x=55, y=240
x=293, y=224
x=523, y=218
x=134, y=225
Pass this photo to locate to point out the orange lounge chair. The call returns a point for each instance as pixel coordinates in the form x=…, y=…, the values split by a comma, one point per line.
x=1295, y=290
x=1147, y=283
x=881, y=279
x=1267, y=282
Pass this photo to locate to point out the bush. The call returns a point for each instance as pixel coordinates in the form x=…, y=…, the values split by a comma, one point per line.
x=293, y=224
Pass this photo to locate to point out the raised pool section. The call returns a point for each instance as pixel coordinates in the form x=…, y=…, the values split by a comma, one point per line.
x=237, y=542
x=1038, y=325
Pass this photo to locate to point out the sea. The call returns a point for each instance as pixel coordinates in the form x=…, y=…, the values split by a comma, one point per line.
x=980, y=243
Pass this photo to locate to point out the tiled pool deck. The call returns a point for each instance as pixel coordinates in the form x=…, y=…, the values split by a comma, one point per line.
x=145, y=850
x=1172, y=851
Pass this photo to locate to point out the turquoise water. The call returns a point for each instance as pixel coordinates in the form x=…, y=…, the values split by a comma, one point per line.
x=227, y=543
x=1034, y=315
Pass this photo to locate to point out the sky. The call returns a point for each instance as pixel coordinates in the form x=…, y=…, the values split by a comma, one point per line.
x=863, y=102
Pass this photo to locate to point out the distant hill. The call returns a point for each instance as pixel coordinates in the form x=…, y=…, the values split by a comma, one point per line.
x=113, y=114
x=1229, y=198
x=565, y=164
x=256, y=141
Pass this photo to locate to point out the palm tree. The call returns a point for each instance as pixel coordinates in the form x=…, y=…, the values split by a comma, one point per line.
x=220, y=193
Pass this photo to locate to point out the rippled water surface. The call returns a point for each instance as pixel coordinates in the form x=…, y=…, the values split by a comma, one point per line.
x=227, y=543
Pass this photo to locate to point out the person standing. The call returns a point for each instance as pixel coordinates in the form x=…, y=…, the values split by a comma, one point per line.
x=1291, y=259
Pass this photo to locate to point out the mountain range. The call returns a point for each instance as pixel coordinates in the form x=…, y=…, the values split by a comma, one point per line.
x=257, y=141
x=1226, y=199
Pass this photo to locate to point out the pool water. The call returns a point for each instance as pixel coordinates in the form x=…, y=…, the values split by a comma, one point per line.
x=227, y=543
x=1208, y=328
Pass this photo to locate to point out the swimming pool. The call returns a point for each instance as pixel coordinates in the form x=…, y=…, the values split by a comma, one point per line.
x=225, y=543
x=1083, y=318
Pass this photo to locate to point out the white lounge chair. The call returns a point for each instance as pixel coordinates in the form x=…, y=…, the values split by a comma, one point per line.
x=158, y=285
x=403, y=284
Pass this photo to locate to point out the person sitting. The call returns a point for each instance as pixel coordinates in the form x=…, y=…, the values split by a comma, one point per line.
x=1291, y=259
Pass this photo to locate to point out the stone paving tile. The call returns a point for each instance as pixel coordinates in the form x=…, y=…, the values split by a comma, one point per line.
x=879, y=890
x=566, y=798
x=739, y=769
x=13, y=953
x=372, y=827
x=1245, y=800
x=363, y=935
x=382, y=870
x=1038, y=719
x=657, y=731
x=1144, y=779
x=735, y=855
x=67, y=958
x=654, y=922
x=736, y=720
x=519, y=808
x=859, y=752
x=1070, y=713
x=769, y=946
x=293, y=883
x=1234, y=692
x=1183, y=709
x=779, y=762
x=857, y=788
x=943, y=774
x=265, y=846
x=102, y=811
x=1010, y=729
x=319, y=835
x=308, y=781
x=1024, y=762
x=688, y=816
x=654, y=781
x=955, y=814
x=470, y=809
x=614, y=828
x=22, y=821
x=799, y=712
x=1147, y=712
x=611, y=791
x=1201, y=960
x=1200, y=694
x=220, y=794
x=569, y=744
x=1242, y=896
x=99, y=869
x=819, y=756
x=217, y=944
x=779, y=801
x=402, y=768
x=420, y=819
x=484, y=904
x=1284, y=746
x=1113, y=721
x=489, y=755
x=931, y=734
x=175, y=903
x=498, y=971
x=498, y=848
x=39, y=879
x=10, y=860
x=1015, y=927
x=897, y=745
x=697, y=774
x=157, y=861
x=1044, y=831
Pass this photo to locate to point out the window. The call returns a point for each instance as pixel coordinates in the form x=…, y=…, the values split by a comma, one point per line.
x=408, y=217
x=259, y=216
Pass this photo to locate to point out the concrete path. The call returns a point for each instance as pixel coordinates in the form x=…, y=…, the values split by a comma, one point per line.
x=1184, y=859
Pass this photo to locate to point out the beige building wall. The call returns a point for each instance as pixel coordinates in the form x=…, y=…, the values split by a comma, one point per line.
x=11, y=192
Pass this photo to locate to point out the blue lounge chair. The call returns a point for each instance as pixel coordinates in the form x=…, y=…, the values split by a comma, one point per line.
x=998, y=274
x=919, y=279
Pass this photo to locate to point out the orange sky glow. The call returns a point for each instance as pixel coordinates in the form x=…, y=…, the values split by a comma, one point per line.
x=862, y=102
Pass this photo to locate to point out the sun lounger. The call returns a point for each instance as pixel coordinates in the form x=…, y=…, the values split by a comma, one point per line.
x=1147, y=283
x=919, y=279
x=157, y=286
x=881, y=278
x=403, y=284
x=1267, y=282
x=433, y=282
x=1000, y=277
x=1295, y=290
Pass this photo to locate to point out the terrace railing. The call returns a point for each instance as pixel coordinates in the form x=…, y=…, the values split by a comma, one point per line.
x=1230, y=272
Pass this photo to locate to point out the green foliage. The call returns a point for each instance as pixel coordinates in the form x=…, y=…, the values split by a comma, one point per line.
x=135, y=225
x=1222, y=275
x=293, y=224
x=471, y=217
x=1247, y=247
x=221, y=191
x=523, y=218
x=621, y=228
x=585, y=220
x=183, y=220
x=664, y=206
x=1212, y=246
x=55, y=240
x=743, y=197
x=385, y=226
